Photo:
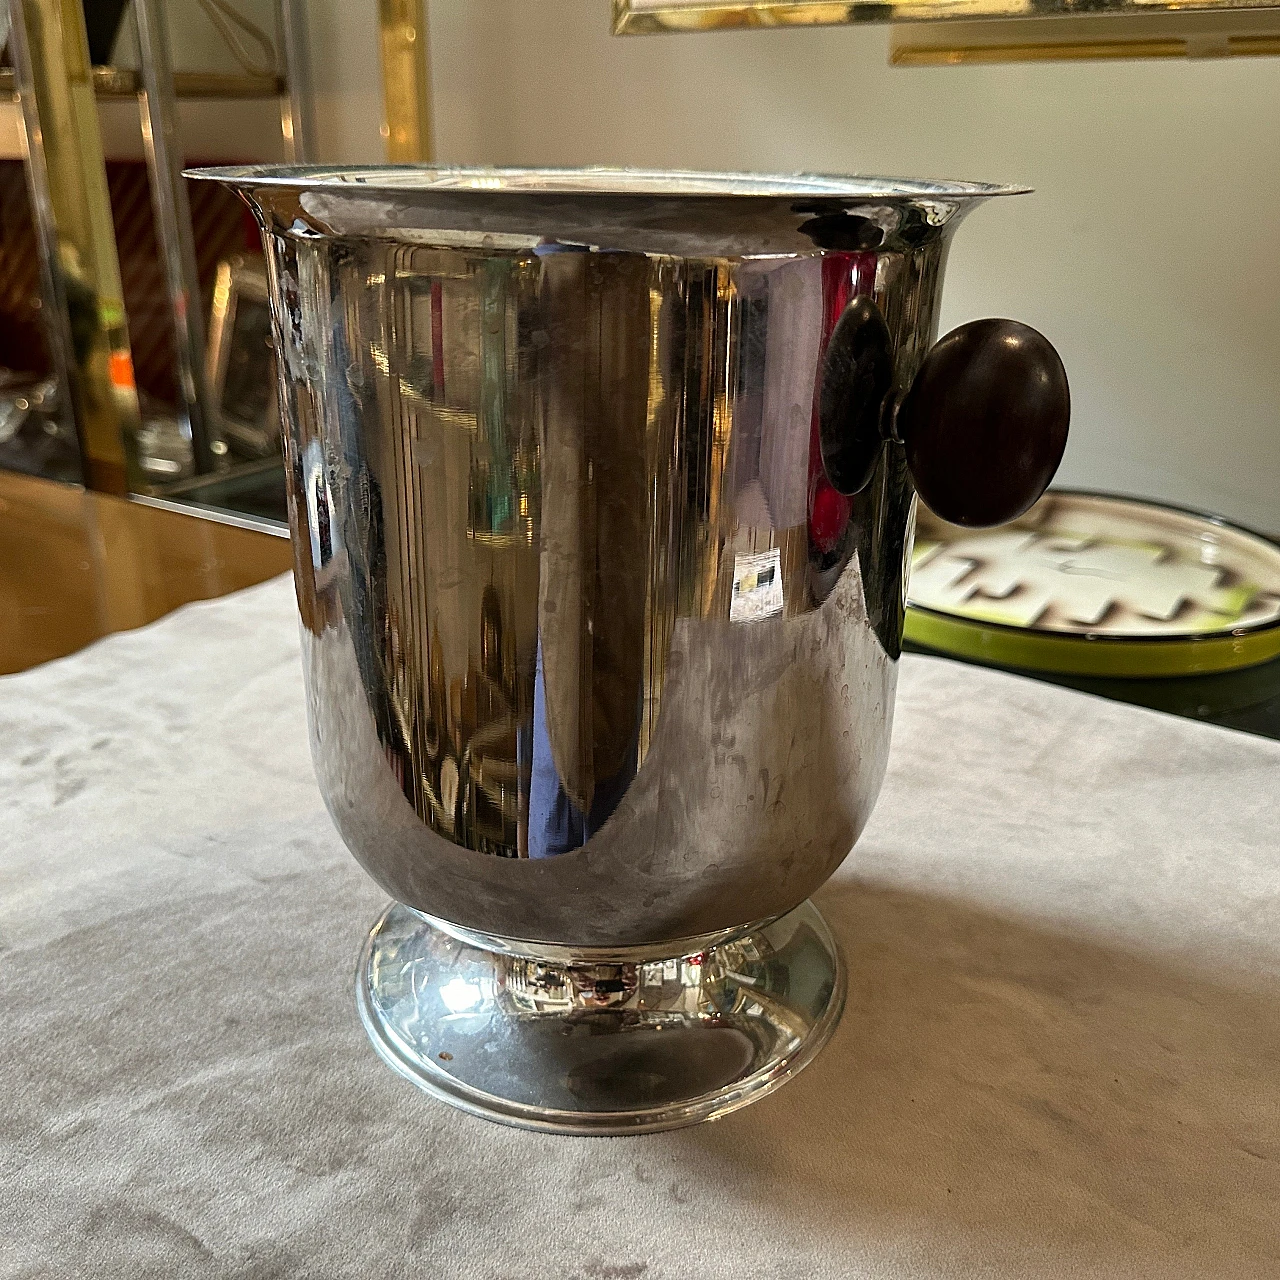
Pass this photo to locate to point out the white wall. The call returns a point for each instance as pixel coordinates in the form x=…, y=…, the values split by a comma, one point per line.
x=1150, y=253
x=347, y=73
x=347, y=86
x=346, y=76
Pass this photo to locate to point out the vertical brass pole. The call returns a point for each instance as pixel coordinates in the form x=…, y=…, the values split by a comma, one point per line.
x=406, y=80
x=85, y=319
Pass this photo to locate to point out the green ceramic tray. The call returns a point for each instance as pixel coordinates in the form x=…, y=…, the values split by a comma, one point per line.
x=1092, y=584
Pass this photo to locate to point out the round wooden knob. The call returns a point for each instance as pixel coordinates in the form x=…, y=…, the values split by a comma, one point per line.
x=984, y=424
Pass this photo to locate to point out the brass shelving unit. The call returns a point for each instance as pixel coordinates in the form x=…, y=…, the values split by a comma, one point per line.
x=57, y=91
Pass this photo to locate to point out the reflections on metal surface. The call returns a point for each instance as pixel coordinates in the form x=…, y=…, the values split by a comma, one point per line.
x=617, y=1048
x=576, y=588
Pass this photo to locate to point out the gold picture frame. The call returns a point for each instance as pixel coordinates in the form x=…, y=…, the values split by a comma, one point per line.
x=949, y=32
x=643, y=17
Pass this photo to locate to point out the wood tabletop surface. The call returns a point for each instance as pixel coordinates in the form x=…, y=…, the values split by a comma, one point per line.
x=77, y=565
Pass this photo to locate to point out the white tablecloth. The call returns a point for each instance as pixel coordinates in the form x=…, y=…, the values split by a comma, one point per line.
x=1061, y=1054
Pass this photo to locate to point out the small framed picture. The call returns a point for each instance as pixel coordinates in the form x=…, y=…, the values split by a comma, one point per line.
x=242, y=359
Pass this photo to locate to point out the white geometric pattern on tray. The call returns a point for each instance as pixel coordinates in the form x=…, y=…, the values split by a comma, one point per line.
x=1131, y=570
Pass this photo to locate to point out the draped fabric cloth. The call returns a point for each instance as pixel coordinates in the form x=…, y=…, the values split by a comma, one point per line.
x=1060, y=1057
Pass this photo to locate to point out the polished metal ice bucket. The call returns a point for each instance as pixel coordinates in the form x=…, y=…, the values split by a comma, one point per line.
x=601, y=490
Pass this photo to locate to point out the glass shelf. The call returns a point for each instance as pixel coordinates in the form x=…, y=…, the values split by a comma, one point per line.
x=253, y=489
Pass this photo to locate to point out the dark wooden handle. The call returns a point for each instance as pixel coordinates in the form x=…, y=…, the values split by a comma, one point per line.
x=857, y=374
x=984, y=423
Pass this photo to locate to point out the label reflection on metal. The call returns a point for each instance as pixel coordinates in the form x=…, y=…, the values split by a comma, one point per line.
x=757, y=586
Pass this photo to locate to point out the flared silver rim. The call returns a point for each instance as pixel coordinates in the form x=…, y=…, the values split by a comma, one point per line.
x=597, y=181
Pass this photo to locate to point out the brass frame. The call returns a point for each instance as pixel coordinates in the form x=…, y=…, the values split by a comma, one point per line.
x=647, y=17
x=1201, y=34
